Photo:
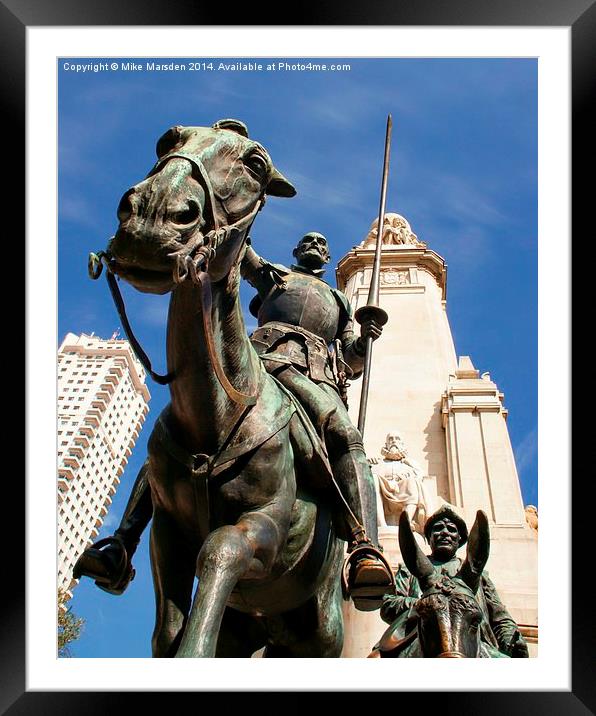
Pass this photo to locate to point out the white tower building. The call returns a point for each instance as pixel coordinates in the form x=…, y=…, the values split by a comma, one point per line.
x=102, y=404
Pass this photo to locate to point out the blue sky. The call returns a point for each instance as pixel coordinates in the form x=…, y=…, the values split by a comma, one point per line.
x=463, y=173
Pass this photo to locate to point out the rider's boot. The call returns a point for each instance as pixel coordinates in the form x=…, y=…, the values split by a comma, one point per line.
x=108, y=561
x=366, y=574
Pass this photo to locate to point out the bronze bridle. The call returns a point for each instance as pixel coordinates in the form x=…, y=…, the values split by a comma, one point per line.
x=192, y=261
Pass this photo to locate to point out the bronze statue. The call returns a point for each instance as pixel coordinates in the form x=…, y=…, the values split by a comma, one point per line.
x=445, y=607
x=243, y=493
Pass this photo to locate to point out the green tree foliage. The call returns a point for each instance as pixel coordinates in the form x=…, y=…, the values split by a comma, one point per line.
x=69, y=625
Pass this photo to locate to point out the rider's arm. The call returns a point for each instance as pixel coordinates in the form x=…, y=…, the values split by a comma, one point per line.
x=353, y=348
x=501, y=622
x=354, y=352
x=251, y=268
x=257, y=271
x=406, y=595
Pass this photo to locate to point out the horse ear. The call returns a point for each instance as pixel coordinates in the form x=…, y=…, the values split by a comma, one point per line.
x=234, y=125
x=279, y=185
x=168, y=141
x=477, y=554
x=418, y=564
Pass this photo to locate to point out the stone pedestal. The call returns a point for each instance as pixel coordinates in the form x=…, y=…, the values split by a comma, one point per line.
x=451, y=418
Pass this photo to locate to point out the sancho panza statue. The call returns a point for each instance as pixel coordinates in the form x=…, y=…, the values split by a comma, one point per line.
x=306, y=341
x=446, y=532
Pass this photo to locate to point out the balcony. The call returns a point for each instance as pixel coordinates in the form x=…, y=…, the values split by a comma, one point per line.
x=82, y=441
x=104, y=395
x=111, y=379
x=93, y=417
x=66, y=473
x=85, y=430
x=99, y=404
x=72, y=462
x=106, y=387
x=76, y=451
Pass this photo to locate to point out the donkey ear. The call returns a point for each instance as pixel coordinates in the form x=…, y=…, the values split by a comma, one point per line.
x=279, y=185
x=418, y=564
x=477, y=554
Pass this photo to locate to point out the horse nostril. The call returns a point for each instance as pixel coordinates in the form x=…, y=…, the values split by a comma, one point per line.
x=124, y=211
x=187, y=216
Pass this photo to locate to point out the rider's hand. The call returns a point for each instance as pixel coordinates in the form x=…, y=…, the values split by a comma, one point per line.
x=520, y=649
x=370, y=329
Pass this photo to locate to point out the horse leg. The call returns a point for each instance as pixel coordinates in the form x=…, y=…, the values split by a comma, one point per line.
x=240, y=635
x=173, y=567
x=315, y=629
x=244, y=550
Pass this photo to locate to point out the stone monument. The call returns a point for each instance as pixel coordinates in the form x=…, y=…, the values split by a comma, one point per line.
x=451, y=418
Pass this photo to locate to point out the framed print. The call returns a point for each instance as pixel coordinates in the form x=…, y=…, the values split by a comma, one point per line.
x=112, y=118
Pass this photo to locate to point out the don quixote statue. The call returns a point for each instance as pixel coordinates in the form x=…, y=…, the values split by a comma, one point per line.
x=255, y=477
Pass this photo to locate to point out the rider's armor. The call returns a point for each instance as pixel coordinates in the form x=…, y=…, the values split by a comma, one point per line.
x=303, y=322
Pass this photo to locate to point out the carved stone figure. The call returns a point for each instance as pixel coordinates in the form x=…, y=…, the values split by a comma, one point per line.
x=396, y=232
x=445, y=606
x=399, y=484
x=532, y=517
x=242, y=492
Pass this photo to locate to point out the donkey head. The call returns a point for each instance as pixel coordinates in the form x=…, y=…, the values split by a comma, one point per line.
x=448, y=615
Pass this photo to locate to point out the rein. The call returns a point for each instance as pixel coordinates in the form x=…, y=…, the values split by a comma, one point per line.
x=196, y=267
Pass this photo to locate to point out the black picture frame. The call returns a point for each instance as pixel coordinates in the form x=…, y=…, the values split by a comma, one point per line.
x=580, y=16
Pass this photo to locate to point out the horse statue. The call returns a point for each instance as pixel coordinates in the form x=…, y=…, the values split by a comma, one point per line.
x=232, y=465
x=446, y=621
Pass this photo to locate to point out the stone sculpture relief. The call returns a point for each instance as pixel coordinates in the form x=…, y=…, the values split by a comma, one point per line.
x=399, y=485
x=396, y=232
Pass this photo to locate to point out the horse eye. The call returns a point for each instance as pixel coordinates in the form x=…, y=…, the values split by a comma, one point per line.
x=256, y=165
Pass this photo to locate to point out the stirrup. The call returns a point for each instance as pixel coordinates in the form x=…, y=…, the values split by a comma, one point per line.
x=366, y=577
x=93, y=563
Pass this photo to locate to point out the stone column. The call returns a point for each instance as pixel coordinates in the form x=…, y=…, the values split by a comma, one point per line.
x=483, y=475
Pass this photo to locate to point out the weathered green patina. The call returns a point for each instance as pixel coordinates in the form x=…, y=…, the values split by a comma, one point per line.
x=241, y=490
x=445, y=607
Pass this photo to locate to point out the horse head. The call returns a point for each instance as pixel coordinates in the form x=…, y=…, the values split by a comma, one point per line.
x=194, y=208
x=448, y=615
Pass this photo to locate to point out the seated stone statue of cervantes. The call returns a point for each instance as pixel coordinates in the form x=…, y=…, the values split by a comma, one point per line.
x=399, y=484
